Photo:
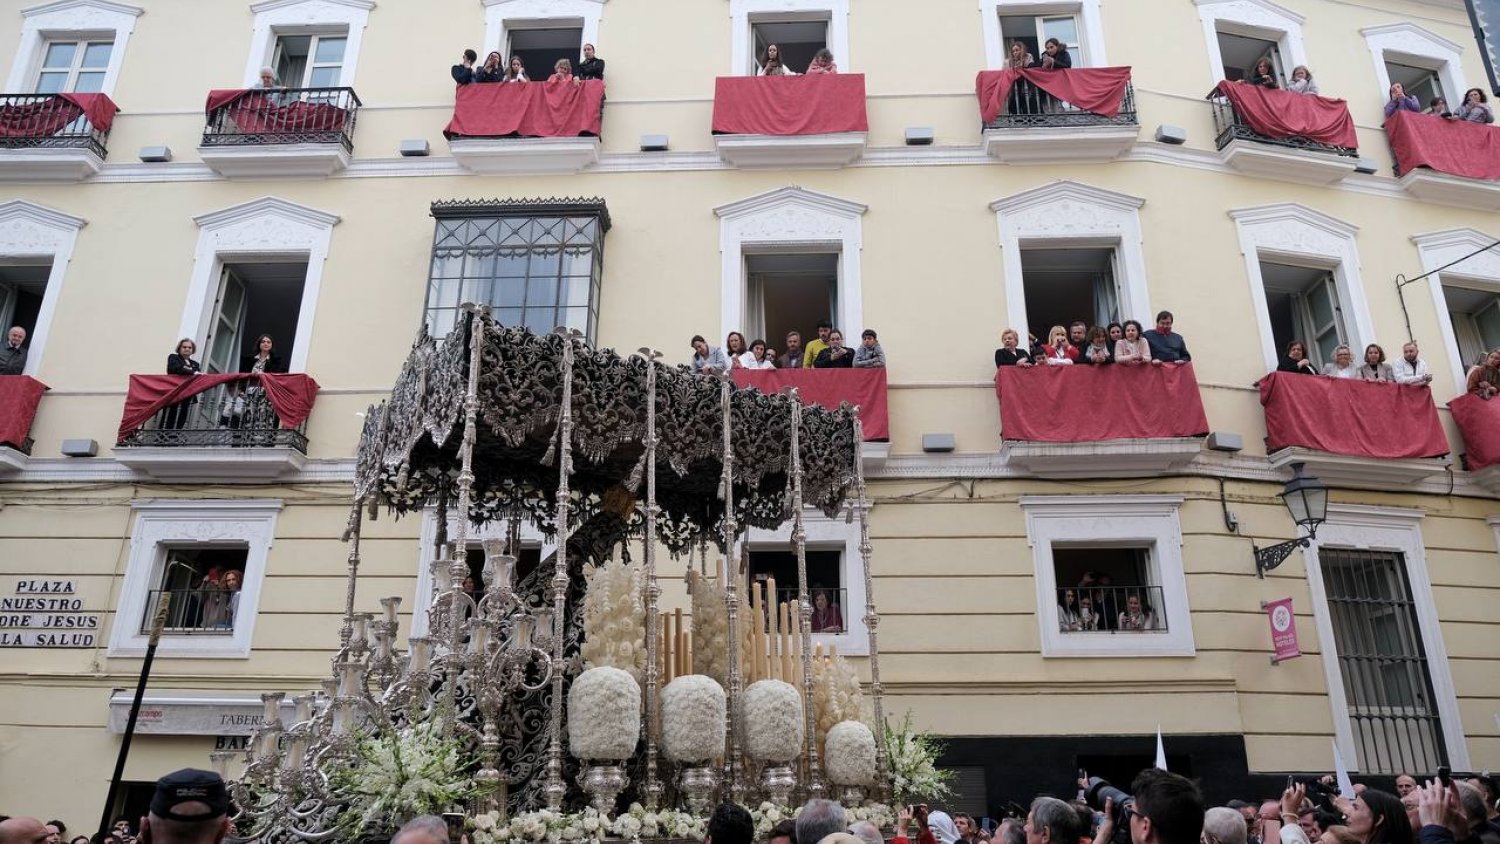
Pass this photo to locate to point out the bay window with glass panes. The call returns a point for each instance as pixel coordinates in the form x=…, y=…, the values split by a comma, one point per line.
x=535, y=264
x=73, y=67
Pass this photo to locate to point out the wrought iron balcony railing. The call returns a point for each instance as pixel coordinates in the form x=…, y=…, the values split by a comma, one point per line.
x=1028, y=107
x=1111, y=609
x=203, y=611
x=232, y=415
x=1228, y=126
x=47, y=121
x=284, y=116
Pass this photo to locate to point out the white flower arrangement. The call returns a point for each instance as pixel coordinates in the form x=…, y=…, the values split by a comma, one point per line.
x=590, y=827
x=418, y=770
x=880, y=814
x=773, y=721
x=913, y=760
x=710, y=627
x=767, y=815
x=604, y=715
x=851, y=754
x=692, y=719
x=837, y=695
x=614, y=619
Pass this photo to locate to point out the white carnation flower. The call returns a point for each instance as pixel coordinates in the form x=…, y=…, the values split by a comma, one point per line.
x=692, y=719
x=851, y=754
x=604, y=715
x=773, y=721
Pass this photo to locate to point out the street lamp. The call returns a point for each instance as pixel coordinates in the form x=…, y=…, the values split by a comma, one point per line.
x=1307, y=500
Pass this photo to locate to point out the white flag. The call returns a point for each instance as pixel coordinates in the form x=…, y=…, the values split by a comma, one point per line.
x=1341, y=772
x=1161, y=751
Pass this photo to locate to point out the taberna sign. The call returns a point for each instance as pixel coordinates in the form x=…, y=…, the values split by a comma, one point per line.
x=1484, y=15
x=192, y=716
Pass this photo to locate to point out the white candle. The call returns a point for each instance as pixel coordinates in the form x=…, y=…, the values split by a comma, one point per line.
x=479, y=636
x=272, y=701
x=522, y=639
x=421, y=655
x=304, y=709
x=390, y=604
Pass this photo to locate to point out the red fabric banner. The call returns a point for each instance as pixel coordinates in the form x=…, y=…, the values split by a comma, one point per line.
x=1077, y=404
x=1457, y=147
x=44, y=118
x=254, y=111
x=291, y=396
x=1283, y=631
x=790, y=105
x=1479, y=422
x=826, y=388
x=1097, y=90
x=527, y=110
x=1344, y=416
x=1286, y=114
x=19, y=396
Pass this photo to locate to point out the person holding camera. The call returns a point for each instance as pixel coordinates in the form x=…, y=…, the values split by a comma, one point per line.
x=904, y=817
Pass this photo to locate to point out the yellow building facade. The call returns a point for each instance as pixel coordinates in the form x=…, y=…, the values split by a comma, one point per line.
x=929, y=227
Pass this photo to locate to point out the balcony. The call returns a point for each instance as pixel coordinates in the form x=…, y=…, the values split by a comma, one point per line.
x=1447, y=162
x=784, y=122
x=216, y=427
x=829, y=388
x=192, y=612
x=53, y=137
x=1283, y=135
x=1353, y=433
x=1052, y=425
x=527, y=127
x=1057, y=116
x=1479, y=423
x=291, y=133
x=19, y=397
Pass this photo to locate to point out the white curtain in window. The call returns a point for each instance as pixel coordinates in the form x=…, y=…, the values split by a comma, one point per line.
x=755, y=308
x=1106, y=299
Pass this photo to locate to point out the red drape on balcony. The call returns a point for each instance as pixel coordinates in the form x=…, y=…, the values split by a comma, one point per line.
x=527, y=110
x=827, y=387
x=45, y=117
x=1286, y=114
x=254, y=110
x=1075, y=404
x=19, y=396
x=1479, y=422
x=1458, y=147
x=790, y=105
x=1357, y=418
x=1097, y=90
x=291, y=395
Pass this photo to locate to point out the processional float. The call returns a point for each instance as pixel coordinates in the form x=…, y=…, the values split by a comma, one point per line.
x=496, y=426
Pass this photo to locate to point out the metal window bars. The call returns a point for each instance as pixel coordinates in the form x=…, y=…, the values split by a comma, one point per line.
x=1111, y=609
x=285, y=116
x=1028, y=106
x=232, y=415
x=203, y=611
x=1230, y=126
x=47, y=121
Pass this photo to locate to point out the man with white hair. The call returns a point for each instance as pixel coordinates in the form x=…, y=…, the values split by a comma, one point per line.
x=1223, y=825
x=423, y=829
x=819, y=819
x=13, y=353
x=867, y=832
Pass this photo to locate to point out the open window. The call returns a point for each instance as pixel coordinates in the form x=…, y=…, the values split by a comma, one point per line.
x=22, y=290
x=539, y=47
x=824, y=583
x=1303, y=303
x=789, y=292
x=799, y=37
x=526, y=564
x=310, y=60
x=1475, y=315
x=1035, y=30
x=1420, y=82
x=1240, y=54
x=1107, y=587
x=254, y=298
x=201, y=588
x=1065, y=285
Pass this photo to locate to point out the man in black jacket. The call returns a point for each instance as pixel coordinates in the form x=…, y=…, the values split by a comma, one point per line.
x=463, y=73
x=591, y=67
x=13, y=352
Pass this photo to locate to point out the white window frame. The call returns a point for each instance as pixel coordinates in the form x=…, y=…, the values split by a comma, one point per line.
x=30, y=233
x=80, y=50
x=823, y=533
x=502, y=16
x=791, y=219
x=161, y=524
x=743, y=12
x=275, y=18
x=1111, y=521
x=1481, y=271
x=1090, y=28
x=1399, y=530
x=1253, y=19
x=314, y=38
x=1071, y=215
x=497, y=529
x=72, y=20
x=1409, y=44
x=267, y=229
x=1290, y=233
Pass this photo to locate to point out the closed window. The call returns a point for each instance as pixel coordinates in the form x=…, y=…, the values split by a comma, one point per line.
x=73, y=67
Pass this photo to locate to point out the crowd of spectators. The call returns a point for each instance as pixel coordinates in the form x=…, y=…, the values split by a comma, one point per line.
x=495, y=70
x=1123, y=343
x=826, y=352
x=1474, y=109
x=1097, y=604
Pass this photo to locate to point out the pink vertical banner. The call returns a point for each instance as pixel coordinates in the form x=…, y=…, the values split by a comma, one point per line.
x=1283, y=630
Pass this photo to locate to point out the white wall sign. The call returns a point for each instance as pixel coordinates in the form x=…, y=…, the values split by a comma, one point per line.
x=45, y=621
x=219, y=717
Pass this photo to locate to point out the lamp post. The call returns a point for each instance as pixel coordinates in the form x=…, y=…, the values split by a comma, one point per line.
x=1307, y=499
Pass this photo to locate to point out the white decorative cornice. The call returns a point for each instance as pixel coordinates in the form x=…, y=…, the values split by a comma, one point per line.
x=1264, y=7
x=1454, y=237
x=20, y=209
x=273, y=5
x=792, y=195
x=68, y=5
x=1067, y=189
x=1398, y=31
x=262, y=207
x=1293, y=211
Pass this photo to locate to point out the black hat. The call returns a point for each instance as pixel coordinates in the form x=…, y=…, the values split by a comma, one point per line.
x=190, y=785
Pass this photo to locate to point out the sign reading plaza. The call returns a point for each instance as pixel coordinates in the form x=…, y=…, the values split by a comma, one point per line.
x=45, y=614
